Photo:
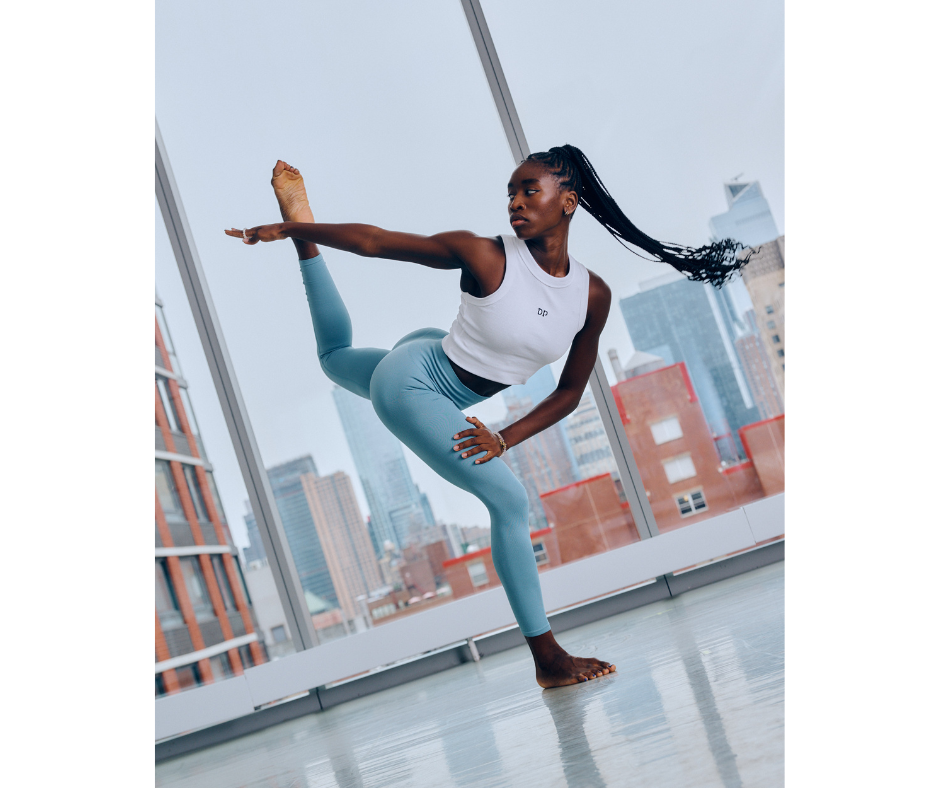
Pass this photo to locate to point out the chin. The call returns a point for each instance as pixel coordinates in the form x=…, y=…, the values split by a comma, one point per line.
x=522, y=230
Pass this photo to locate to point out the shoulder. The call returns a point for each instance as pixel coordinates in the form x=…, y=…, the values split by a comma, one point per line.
x=599, y=295
x=472, y=249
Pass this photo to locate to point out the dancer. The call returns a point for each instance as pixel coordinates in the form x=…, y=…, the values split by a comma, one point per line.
x=525, y=302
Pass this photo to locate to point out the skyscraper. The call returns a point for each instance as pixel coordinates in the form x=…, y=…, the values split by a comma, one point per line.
x=588, y=440
x=764, y=279
x=342, y=533
x=676, y=320
x=521, y=398
x=205, y=627
x=748, y=218
x=397, y=507
x=300, y=528
x=758, y=369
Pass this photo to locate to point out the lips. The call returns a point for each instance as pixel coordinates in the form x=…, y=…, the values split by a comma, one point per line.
x=516, y=220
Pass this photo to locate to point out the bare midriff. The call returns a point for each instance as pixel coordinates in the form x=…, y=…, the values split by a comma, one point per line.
x=476, y=384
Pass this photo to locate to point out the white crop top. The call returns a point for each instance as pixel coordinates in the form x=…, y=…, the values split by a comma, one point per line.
x=527, y=323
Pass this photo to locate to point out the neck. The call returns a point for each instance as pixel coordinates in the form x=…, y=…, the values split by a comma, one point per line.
x=551, y=252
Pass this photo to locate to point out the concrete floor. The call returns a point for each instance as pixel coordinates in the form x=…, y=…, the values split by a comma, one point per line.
x=697, y=701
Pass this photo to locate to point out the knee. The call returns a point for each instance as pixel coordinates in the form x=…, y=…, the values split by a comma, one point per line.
x=510, y=499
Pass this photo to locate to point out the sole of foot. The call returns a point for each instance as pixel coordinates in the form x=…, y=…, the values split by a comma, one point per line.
x=291, y=193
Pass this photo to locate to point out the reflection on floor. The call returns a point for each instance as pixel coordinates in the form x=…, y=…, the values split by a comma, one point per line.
x=697, y=701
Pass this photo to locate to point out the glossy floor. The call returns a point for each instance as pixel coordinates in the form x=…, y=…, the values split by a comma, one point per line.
x=697, y=701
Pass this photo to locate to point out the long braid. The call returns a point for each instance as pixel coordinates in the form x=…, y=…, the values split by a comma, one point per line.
x=714, y=263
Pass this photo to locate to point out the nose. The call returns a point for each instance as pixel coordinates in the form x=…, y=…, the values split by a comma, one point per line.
x=515, y=204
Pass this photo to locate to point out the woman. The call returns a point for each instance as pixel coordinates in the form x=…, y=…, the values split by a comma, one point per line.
x=525, y=301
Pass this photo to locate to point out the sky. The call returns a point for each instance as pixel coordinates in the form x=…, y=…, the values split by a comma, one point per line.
x=386, y=111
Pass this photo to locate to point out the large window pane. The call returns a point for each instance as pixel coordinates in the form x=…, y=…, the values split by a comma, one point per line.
x=689, y=152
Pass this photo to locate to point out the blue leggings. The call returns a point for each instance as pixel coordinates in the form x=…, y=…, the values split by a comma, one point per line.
x=418, y=397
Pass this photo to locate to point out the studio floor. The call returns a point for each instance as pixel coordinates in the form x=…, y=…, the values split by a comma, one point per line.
x=697, y=701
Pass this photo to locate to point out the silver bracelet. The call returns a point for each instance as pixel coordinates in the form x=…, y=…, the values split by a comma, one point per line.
x=502, y=443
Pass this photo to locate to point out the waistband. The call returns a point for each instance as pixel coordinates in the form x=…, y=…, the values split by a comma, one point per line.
x=443, y=376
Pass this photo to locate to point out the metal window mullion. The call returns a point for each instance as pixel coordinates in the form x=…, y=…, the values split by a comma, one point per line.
x=257, y=484
x=603, y=396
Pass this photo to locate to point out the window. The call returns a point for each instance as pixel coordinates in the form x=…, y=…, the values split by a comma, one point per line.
x=195, y=493
x=541, y=554
x=188, y=676
x=771, y=324
x=196, y=586
x=225, y=588
x=221, y=666
x=478, y=574
x=215, y=496
x=161, y=689
x=679, y=468
x=780, y=352
x=167, y=493
x=776, y=339
x=188, y=407
x=780, y=284
x=666, y=430
x=245, y=653
x=278, y=633
x=169, y=408
x=168, y=608
x=770, y=310
x=241, y=581
x=691, y=503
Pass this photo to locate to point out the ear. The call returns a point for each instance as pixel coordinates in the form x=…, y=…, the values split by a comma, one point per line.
x=569, y=202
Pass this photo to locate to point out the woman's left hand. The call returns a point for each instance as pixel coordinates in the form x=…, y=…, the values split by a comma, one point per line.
x=480, y=439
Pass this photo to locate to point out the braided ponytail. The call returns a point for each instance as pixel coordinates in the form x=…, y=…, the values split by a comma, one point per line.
x=714, y=263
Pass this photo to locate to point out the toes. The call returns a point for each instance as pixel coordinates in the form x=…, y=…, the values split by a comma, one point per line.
x=279, y=168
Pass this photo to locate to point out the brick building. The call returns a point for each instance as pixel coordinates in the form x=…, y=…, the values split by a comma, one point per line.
x=684, y=477
x=473, y=572
x=205, y=627
x=764, y=445
x=588, y=517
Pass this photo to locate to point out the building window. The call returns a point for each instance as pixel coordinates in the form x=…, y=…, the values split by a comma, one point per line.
x=679, y=468
x=167, y=492
x=245, y=653
x=770, y=310
x=776, y=339
x=221, y=666
x=168, y=608
x=780, y=352
x=691, y=503
x=278, y=633
x=771, y=324
x=163, y=387
x=241, y=581
x=188, y=408
x=188, y=676
x=541, y=554
x=195, y=493
x=478, y=574
x=221, y=577
x=666, y=430
x=161, y=688
x=215, y=496
x=196, y=586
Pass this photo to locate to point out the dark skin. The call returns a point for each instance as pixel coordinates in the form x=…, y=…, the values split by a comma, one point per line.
x=540, y=213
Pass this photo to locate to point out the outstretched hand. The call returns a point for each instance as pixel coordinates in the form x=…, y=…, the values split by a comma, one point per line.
x=481, y=440
x=264, y=233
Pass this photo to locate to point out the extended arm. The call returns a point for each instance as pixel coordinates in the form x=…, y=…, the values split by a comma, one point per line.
x=481, y=257
x=566, y=396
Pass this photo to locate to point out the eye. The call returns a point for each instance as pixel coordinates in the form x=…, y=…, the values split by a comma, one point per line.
x=531, y=191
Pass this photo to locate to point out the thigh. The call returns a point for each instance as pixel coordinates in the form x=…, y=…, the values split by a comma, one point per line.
x=426, y=422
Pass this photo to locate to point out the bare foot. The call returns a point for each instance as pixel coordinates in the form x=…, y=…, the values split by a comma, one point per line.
x=555, y=667
x=291, y=196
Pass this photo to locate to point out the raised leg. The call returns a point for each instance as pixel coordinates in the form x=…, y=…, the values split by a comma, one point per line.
x=345, y=365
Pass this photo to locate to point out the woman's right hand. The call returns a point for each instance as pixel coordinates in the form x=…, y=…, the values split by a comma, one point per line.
x=264, y=233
